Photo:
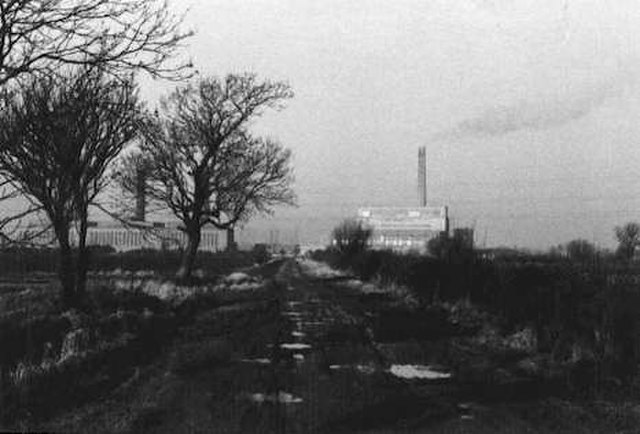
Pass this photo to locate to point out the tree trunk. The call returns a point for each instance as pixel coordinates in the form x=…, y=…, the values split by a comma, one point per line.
x=189, y=255
x=82, y=261
x=65, y=265
x=231, y=240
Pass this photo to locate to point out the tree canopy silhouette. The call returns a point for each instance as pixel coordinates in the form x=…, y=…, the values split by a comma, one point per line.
x=202, y=162
x=628, y=237
x=58, y=136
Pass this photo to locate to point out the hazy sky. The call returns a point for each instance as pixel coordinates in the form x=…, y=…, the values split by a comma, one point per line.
x=528, y=109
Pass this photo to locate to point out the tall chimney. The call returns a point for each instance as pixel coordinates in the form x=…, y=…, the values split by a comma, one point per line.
x=422, y=176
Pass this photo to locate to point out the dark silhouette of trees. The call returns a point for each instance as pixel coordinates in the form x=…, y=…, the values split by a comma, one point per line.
x=628, y=237
x=38, y=36
x=58, y=136
x=580, y=250
x=351, y=237
x=453, y=248
x=203, y=163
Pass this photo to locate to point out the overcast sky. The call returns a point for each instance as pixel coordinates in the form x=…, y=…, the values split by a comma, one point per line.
x=528, y=109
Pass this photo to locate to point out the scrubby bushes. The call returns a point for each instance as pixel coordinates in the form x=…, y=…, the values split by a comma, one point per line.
x=64, y=358
x=27, y=339
x=350, y=239
x=18, y=260
x=579, y=310
x=167, y=262
x=27, y=262
x=581, y=251
x=519, y=291
x=260, y=253
x=53, y=358
x=44, y=388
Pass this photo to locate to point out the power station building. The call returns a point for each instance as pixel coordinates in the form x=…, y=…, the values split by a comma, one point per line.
x=406, y=228
x=132, y=236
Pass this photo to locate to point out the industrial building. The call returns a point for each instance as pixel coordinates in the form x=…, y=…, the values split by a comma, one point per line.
x=132, y=236
x=406, y=228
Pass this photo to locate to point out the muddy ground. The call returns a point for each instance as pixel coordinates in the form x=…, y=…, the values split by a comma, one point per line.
x=312, y=353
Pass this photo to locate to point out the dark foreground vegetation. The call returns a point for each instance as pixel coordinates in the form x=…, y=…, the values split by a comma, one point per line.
x=576, y=314
x=54, y=357
x=24, y=263
x=144, y=355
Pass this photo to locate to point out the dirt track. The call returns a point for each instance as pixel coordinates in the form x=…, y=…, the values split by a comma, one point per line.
x=305, y=355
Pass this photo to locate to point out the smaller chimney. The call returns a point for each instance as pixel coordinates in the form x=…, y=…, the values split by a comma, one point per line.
x=140, y=194
x=422, y=176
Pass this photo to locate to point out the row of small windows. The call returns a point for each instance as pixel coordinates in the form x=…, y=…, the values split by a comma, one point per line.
x=399, y=241
x=124, y=238
x=396, y=241
x=131, y=239
x=116, y=238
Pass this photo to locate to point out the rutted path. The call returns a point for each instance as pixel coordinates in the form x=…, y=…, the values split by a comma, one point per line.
x=304, y=354
x=341, y=379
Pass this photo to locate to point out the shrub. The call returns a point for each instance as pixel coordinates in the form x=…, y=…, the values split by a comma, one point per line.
x=18, y=260
x=260, y=253
x=457, y=248
x=351, y=238
x=581, y=251
x=628, y=240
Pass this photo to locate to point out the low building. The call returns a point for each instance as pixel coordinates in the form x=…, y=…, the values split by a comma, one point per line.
x=136, y=235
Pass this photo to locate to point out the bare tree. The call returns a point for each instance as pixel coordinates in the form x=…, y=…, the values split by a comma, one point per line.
x=628, y=239
x=205, y=166
x=40, y=35
x=58, y=137
x=254, y=175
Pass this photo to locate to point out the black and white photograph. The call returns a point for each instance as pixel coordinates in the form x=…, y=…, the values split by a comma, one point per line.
x=305, y=216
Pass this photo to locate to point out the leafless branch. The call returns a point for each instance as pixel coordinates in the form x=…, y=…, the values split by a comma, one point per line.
x=38, y=36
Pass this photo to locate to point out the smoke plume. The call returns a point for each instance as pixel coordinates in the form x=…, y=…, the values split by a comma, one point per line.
x=532, y=115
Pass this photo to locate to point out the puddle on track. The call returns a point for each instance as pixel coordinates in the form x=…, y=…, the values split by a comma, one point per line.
x=260, y=361
x=295, y=346
x=418, y=372
x=280, y=398
x=313, y=323
x=363, y=369
x=409, y=372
